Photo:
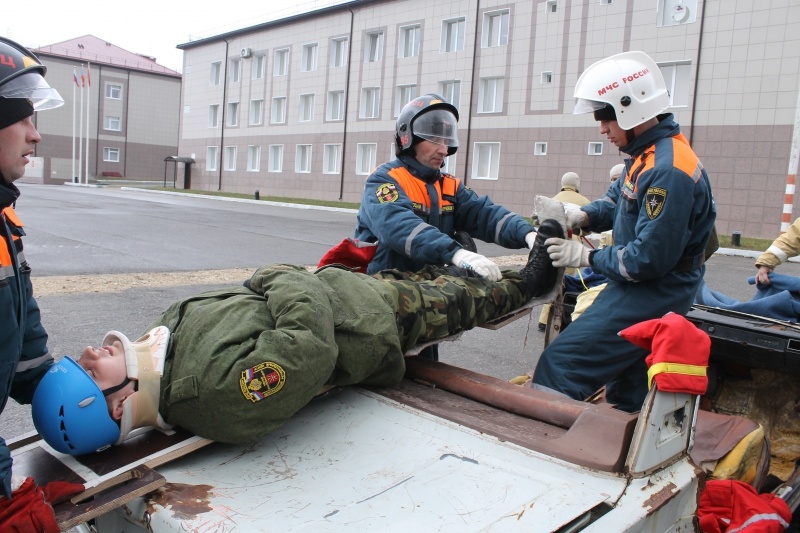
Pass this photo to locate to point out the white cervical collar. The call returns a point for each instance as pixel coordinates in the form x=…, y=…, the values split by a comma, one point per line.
x=144, y=362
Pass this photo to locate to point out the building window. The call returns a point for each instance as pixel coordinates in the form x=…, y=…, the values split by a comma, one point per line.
x=339, y=52
x=256, y=112
x=309, y=57
x=409, y=41
x=111, y=155
x=232, y=117
x=253, y=158
x=495, y=28
x=112, y=123
x=276, y=158
x=547, y=77
x=540, y=148
x=216, y=70
x=113, y=91
x=211, y=158
x=281, y=66
x=405, y=93
x=373, y=47
x=302, y=162
x=230, y=158
x=236, y=68
x=486, y=161
x=370, y=102
x=677, y=77
x=331, y=160
x=306, y=107
x=552, y=6
x=213, y=115
x=278, y=110
x=449, y=164
x=365, y=158
x=451, y=91
x=595, y=148
x=335, y=105
x=259, y=66
x=490, y=99
x=453, y=35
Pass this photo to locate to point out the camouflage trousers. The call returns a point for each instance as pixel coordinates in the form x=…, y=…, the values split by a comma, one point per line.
x=432, y=305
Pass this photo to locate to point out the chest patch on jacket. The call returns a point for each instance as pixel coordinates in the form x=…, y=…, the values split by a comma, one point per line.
x=262, y=380
x=387, y=193
x=654, y=201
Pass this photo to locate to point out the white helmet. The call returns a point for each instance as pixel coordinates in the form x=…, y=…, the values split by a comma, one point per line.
x=630, y=83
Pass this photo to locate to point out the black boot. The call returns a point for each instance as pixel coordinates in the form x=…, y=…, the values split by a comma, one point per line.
x=539, y=271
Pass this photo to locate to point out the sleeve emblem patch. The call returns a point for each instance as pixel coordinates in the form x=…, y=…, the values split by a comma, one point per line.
x=387, y=193
x=654, y=201
x=262, y=380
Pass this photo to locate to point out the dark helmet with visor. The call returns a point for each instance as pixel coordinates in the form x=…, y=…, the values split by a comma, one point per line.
x=429, y=117
x=22, y=76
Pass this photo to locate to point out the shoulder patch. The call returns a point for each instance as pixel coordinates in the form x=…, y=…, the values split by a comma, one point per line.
x=654, y=201
x=387, y=193
x=262, y=380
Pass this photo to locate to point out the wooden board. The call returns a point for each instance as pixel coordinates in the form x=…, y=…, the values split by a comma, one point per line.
x=111, y=478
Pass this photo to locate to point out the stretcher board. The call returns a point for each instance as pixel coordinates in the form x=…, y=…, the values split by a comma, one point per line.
x=111, y=478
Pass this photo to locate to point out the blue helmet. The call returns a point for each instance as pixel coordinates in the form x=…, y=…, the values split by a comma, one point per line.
x=69, y=411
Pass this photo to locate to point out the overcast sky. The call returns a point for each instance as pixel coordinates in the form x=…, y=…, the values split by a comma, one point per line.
x=149, y=27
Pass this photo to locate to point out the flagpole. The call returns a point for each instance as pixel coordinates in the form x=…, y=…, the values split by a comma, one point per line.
x=80, y=138
x=74, y=108
x=88, y=112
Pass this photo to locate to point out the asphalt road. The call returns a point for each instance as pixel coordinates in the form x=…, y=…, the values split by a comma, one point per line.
x=76, y=230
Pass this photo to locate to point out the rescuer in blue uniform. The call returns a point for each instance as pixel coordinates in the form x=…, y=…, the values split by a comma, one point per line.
x=662, y=216
x=421, y=216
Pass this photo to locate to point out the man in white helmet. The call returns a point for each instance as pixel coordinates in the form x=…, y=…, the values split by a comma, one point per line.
x=662, y=215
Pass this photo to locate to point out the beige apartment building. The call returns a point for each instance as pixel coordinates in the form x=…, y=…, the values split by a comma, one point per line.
x=128, y=103
x=305, y=106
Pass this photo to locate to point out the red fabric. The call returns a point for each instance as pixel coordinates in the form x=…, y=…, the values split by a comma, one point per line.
x=729, y=505
x=351, y=253
x=673, y=339
x=29, y=510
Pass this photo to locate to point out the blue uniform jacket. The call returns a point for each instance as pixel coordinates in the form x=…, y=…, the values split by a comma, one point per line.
x=24, y=357
x=410, y=236
x=665, y=193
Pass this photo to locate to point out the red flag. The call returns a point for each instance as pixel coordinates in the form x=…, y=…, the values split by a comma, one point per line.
x=75, y=77
x=83, y=77
x=89, y=75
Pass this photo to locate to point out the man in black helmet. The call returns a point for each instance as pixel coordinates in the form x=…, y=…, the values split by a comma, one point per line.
x=24, y=357
x=421, y=216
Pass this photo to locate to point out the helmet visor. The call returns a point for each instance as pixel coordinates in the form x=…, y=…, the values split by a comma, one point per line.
x=437, y=126
x=32, y=86
x=587, y=106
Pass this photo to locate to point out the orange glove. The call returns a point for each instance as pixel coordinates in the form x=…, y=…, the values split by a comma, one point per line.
x=30, y=508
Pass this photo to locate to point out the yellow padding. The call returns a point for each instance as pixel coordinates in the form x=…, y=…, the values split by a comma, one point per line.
x=741, y=463
x=674, y=368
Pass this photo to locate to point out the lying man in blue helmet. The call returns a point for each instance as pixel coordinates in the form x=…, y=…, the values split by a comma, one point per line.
x=234, y=364
x=420, y=215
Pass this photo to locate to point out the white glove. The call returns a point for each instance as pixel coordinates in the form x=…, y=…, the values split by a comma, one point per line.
x=567, y=253
x=576, y=218
x=481, y=265
x=530, y=238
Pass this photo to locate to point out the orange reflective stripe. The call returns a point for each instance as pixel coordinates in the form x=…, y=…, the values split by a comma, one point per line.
x=11, y=215
x=5, y=253
x=684, y=157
